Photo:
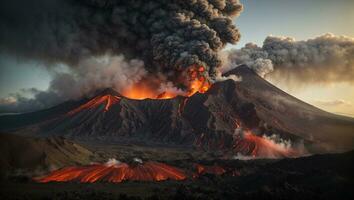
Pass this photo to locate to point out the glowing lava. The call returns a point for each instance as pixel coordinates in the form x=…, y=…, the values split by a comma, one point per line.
x=107, y=100
x=150, y=88
x=144, y=90
x=216, y=170
x=116, y=173
x=198, y=82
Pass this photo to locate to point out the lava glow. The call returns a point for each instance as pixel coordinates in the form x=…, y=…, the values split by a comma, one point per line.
x=216, y=170
x=151, y=88
x=107, y=100
x=143, y=90
x=115, y=173
x=263, y=147
x=198, y=82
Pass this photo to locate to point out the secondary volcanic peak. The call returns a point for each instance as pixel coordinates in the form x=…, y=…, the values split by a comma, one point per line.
x=263, y=147
x=116, y=173
x=107, y=100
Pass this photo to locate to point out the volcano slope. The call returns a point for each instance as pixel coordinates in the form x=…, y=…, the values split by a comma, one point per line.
x=24, y=154
x=220, y=119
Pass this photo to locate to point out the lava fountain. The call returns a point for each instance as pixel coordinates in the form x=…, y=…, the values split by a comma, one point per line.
x=115, y=173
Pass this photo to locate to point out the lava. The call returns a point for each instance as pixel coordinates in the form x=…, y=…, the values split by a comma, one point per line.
x=115, y=173
x=107, y=100
x=194, y=80
x=216, y=170
x=263, y=147
x=198, y=82
x=145, y=90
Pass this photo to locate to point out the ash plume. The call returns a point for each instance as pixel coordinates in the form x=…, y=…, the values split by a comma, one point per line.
x=324, y=59
x=168, y=35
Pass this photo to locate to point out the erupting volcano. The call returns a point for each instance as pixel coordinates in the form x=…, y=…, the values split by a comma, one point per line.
x=116, y=173
x=204, y=119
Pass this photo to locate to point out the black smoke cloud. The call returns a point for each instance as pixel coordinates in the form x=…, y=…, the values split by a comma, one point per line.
x=168, y=35
x=324, y=59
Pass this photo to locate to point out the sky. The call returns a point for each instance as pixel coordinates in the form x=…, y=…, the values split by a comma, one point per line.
x=301, y=19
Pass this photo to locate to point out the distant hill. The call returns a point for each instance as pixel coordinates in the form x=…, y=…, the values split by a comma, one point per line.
x=30, y=154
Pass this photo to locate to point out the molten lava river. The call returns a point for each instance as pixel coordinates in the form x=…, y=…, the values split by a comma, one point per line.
x=115, y=173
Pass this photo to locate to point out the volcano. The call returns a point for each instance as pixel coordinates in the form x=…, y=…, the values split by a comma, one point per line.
x=251, y=117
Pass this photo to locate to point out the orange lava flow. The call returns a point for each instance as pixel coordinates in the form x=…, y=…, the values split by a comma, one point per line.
x=107, y=100
x=148, y=171
x=258, y=146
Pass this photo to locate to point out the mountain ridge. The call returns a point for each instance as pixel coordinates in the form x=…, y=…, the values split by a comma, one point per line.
x=206, y=121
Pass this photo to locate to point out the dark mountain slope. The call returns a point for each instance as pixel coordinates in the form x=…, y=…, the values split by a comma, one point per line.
x=29, y=153
x=290, y=114
x=218, y=119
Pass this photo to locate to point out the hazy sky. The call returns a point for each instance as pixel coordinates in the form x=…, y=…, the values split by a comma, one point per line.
x=301, y=19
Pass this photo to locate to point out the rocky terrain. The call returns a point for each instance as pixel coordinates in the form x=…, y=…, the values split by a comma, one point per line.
x=316, y=177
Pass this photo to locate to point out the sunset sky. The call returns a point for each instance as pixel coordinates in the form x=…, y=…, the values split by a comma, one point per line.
x=300, y=19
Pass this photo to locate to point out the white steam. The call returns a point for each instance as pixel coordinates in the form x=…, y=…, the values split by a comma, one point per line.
x=138, y=160
x=97, y=73
x=112, y=162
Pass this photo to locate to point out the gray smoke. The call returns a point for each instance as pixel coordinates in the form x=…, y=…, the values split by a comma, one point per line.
x=168, y=35
x=86, y=79
x=327, y=58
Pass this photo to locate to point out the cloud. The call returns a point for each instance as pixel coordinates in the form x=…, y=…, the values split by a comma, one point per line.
x=324, y=59
x=8, y=100
x=333, y=103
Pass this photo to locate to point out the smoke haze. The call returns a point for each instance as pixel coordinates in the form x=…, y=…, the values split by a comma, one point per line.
x=324, y=59
x=89, y=76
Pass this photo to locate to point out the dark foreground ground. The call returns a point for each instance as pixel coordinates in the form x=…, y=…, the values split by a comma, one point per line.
x=314, y=177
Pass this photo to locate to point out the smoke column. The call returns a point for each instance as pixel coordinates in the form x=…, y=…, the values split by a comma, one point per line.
x=168, y=35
